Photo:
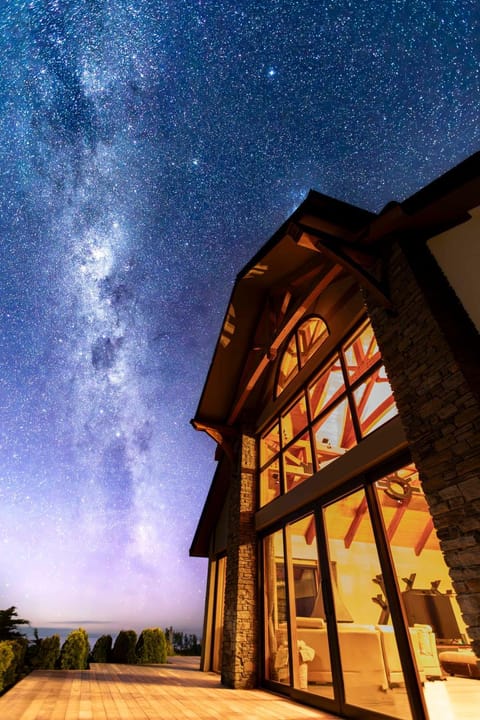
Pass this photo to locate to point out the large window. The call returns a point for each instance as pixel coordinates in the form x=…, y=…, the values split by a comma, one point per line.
x=348, y=399
x=360, y=610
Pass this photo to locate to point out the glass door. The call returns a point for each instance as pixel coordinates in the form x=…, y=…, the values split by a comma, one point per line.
x=277, y=642
x=338, y=623
x=442, y=650
x=372, y=673
x=312, y=668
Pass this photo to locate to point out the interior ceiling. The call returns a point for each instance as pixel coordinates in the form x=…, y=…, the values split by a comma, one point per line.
x=407, y=523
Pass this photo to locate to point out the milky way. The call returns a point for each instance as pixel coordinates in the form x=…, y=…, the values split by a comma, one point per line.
x=147, y=150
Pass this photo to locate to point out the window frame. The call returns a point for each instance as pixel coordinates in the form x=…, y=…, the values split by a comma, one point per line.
x=346, y=394
x=300, y=361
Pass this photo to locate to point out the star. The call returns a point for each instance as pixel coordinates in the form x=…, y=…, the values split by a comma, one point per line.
x=148, y=150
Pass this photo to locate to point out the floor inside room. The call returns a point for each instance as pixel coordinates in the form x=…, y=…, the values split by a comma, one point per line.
x=454, y=698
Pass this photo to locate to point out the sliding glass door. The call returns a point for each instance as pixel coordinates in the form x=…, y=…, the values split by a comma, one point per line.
x=335, y=620
x=372, y=673
x=441, y=647
x=312, y=668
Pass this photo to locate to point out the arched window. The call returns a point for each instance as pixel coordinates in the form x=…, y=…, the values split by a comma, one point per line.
x=304, y=342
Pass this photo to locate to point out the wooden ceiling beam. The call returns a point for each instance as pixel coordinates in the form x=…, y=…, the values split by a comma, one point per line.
x=423, y=539
x=356, y=522
x=396, y=520
x=310, y=532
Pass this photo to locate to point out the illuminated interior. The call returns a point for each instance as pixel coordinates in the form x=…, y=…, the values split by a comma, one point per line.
x=348, y=399
x=302, y=345
x=372, y=671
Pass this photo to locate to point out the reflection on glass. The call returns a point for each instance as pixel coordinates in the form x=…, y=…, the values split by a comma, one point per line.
x=277, y=656
x=297, y=461
x=270, y=483
x=333, y=434
x=326, y=388
x=374, y=401
x=372, y=673
x=311, y=662
x=361, y=353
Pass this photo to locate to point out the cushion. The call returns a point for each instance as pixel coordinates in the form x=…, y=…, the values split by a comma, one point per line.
x=311, y=622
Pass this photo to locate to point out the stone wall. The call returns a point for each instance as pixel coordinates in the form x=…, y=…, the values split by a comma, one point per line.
x=240, y=631
x=441, y=417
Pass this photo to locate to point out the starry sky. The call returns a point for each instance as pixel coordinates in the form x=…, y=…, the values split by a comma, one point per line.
x=147, y=150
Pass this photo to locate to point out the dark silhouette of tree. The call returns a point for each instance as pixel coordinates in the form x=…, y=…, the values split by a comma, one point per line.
x=8, y=624
x=183, y=643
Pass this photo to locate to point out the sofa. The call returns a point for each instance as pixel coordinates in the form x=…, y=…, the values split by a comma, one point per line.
x=368, y=653
x=360, y=649
x=425, y=652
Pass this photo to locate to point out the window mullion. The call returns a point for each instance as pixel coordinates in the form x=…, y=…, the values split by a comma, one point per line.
x=350, y=398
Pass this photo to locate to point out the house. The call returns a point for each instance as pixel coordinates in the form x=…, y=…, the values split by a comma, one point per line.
x=342, y=525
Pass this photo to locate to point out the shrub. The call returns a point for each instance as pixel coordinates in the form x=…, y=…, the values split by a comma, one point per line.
x=102, y=650
x=168, y=632
x=44, y=654
x=6, y=659
x=151, y=647
x=75, y=650
x=124, y=647
x=16, y=669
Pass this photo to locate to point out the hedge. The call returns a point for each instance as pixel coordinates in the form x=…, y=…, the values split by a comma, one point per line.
x=151, y=647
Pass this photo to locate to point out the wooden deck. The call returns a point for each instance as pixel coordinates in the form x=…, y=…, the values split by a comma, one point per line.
x=131, y=692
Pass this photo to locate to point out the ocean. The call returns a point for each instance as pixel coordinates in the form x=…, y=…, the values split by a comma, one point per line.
x=63, y=631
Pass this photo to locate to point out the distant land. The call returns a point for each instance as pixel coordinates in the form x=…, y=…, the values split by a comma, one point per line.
x=63, y=632
x=94, y=629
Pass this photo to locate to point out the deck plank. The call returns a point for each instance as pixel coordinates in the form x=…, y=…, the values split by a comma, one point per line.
x=176, y=691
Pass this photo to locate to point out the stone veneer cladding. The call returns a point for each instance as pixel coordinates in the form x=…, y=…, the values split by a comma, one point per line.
x=441, y=418
x=240, y=632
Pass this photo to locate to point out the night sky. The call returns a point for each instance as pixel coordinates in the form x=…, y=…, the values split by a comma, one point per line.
x=148, y=149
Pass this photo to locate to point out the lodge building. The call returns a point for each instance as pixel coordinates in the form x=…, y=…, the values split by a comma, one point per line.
x=342, y=525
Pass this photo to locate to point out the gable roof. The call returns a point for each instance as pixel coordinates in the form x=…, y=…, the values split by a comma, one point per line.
x=322, y=235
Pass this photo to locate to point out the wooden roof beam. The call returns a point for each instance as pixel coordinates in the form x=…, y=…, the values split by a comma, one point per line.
x=356, y=261
x=271, y=352
x=221, y=434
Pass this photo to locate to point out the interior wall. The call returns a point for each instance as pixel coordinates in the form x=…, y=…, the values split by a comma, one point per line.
x=357, y=565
